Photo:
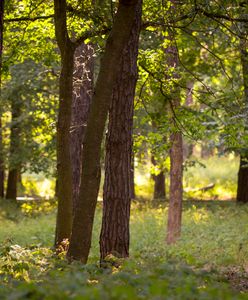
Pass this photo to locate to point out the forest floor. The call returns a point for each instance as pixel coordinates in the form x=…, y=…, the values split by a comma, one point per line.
x=209, y=262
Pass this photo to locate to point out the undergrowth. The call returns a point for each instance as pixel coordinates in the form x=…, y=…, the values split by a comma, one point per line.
x=208, y=262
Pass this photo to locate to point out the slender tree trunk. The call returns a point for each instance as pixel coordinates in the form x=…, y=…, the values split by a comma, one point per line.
x=64, y=172
x=1, y=136
x=82, y=94
x=14, y=155
x=84, y=214
x=242, y=190
x=117, y=190
x=159, y=183
x=176, y=152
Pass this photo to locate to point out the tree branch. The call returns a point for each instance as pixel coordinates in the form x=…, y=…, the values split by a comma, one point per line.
x=31, y=19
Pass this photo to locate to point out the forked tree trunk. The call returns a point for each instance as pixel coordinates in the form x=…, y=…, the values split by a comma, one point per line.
x=1, y=136
x=14, y=150
x=176, y=151
x=159, y=183
x=85, y=209
x=64, y=172
x=114, y=238
x=242, y=190
x=82, y=94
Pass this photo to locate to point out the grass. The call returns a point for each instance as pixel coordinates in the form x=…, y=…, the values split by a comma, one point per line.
x=198, y=173
x=210, y=261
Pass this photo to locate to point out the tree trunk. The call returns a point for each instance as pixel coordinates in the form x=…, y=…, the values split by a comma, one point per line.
x=64, y=172
x=114, y=238
x=82, y=94
x=11, y=192
x=176, y=151
x=14, y=151
x=242, y=190
x=176, y=188
x=85, y=207
x=159, y=183
x=1, y=136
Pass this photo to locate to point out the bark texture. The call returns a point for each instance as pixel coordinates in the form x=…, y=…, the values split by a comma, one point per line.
x=1, y=136
x=242, y=189
x=85, y=208
x=82, y=94
x=117, y=191
x=64, y=172
x=159, y=183
x=176, y=151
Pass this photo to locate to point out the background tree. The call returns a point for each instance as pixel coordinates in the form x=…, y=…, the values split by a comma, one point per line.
x=83, y=78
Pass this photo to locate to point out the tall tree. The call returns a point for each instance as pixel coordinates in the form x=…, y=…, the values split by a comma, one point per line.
x=1, y=139
x=64, y=172
x=242, y=190
x=176, y=151
x=117, y=190
x=85, y=207
x=82, y=94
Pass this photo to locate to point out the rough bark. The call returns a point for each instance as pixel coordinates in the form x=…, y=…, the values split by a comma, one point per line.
x=114, y=238
x=82, y=94
x=64, y=172
x=176, y=152
x=1, y=140
x=14, y=151
x=242, y=189
x=85, y=207
x=159, y=183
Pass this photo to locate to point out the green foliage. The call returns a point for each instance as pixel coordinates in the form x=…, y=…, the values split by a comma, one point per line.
x=211, y=248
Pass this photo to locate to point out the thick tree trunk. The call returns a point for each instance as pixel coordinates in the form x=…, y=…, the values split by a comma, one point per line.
x=85, y=209
x=64, y=172
x=159, y=183
x=14, y=150
x=82, y=94
x=176, y=152
x=242, y=190
x=1, y=136
x=117, y=190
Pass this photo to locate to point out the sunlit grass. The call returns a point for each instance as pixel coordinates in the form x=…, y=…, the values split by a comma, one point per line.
x=214, y=238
